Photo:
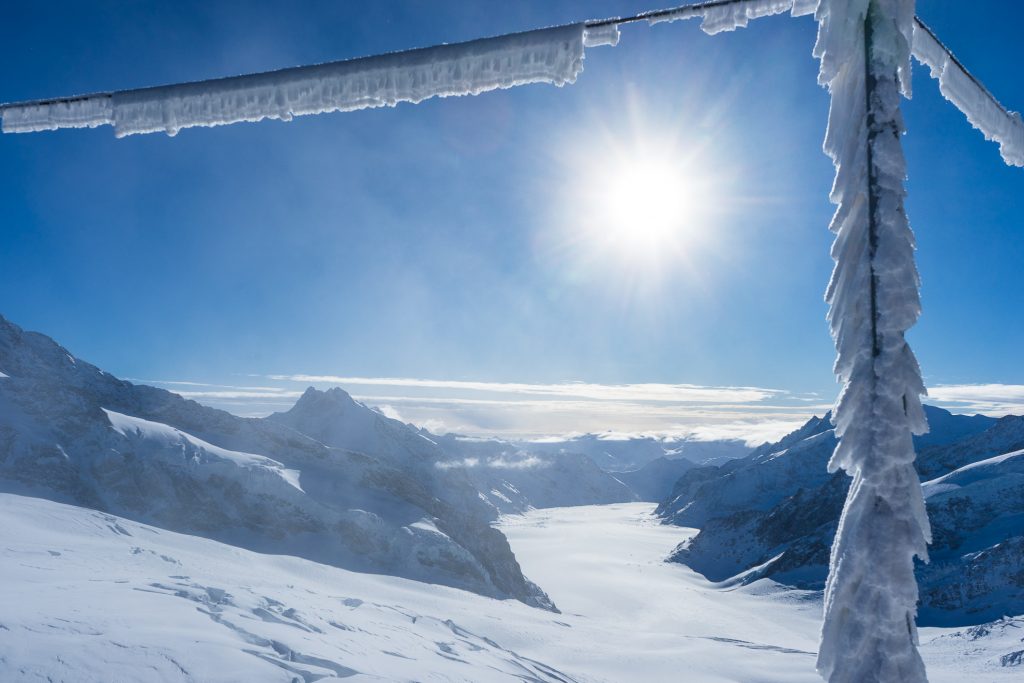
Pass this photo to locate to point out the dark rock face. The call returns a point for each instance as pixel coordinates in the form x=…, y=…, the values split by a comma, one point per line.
x=775, y=514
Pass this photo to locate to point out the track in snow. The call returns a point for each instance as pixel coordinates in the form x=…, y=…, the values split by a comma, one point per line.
x=87, y=597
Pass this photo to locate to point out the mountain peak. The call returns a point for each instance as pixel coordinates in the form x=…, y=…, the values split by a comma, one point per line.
x=316, y=402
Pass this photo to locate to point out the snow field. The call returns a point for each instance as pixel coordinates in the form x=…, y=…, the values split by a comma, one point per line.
x=88, y=597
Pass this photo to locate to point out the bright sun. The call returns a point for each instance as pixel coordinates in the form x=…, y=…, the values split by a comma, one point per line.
x=641, y=208
x=642, y=205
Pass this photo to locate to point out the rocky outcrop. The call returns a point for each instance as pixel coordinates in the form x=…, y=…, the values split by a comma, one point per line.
x=775, y=515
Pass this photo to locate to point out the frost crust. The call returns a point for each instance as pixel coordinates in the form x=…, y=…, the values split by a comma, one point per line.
x=553, y=55
x=736, y=15
x=980, y=108
x=871, y=594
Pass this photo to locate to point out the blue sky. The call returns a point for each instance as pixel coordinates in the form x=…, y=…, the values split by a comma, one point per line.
x=441, y=241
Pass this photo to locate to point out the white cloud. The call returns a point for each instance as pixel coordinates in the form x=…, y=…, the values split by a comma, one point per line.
x=500, y=463
x=535, y=411
x=555, y=411
x=989, y=399
x=754, y=433
x=179, y=383
x=433, y=425
x=453, y=464
x=239, y=393
x=388, y=411
x=526, y=463
x=676, y=393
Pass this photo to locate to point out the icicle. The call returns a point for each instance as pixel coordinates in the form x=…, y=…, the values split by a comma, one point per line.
x=83, y=112
x=871, y=594
x=546, y=56
x=978, y=105
x=596, y=36
x=734, y=15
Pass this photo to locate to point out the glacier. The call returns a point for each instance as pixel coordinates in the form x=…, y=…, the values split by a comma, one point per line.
x=80, y=589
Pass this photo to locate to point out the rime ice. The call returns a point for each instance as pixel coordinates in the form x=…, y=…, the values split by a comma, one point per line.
x=552, y=56
x=730, y=17
x=871, y=594
x=977, y=104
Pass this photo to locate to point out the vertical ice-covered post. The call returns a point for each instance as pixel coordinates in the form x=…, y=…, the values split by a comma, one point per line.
x=869, y=633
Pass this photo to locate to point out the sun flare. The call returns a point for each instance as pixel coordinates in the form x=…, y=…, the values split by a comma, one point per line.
x=643, y=204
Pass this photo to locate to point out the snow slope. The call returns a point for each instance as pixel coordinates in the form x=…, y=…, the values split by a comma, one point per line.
x=775, y=515
x=92, y=598
x=72, y=433
x=977, y=512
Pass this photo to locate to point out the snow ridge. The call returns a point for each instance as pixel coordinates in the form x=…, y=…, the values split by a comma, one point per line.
x=871, y=594
x=164, y=438
x=553, y=55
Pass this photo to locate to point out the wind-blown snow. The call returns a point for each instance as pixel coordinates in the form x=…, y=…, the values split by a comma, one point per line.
x=871, y=595
x=552, y=56
x=977, y=104
x=194, y=449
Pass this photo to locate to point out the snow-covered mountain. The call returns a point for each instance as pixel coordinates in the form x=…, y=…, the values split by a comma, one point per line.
x=514, y=478
x=976, y=571
x=503, y=476
x=361, y=492
x=654, y=481
x=775, y=513
x=619, y=453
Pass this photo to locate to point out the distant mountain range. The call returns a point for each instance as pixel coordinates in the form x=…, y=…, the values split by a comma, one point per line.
x=337, y=482
x=614, y=453
x=774, y=514
x=330, y=480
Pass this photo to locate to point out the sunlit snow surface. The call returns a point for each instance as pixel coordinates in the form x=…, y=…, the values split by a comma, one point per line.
x=156, y=438
x=91, y=597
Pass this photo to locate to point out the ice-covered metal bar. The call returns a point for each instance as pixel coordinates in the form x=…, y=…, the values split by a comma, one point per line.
x=870, y=600
x=968, y=95
x=728, y=15
x=553, y=55
x=544, y=56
